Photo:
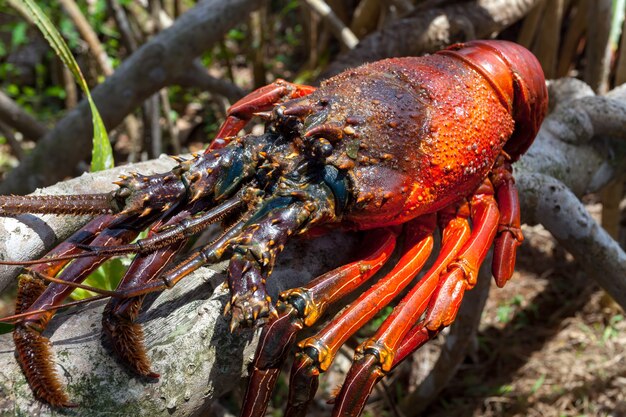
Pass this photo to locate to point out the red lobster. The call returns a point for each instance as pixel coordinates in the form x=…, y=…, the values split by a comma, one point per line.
x=400, y=145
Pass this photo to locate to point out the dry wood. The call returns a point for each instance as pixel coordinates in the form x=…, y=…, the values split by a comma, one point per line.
x=16, y=117
x=434, y=29
x=89, y=35
x=598, y=50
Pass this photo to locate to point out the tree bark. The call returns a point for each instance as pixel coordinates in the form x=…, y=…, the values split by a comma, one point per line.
x=434, y=29
x=14, y=116
x=162, y=61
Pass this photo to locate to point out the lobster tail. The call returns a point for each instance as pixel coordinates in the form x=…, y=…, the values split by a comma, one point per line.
x=517, y=78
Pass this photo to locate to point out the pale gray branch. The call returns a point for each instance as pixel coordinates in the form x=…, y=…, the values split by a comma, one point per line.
x=341, y=31
x=548, y=201
x=31, y=236
x=187, y=338
x=433, y=29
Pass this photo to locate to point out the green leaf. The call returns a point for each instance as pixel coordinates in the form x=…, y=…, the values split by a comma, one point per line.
x=18, y=35
x=106, y=277
x=102, y=154
x=6, y=328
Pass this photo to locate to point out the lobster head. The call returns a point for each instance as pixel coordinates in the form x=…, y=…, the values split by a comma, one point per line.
x=517, y=77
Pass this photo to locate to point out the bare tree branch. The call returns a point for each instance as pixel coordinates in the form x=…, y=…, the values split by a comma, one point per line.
x=434, y=29
x=341, y=31
x=548, y=201
x=30, y=236
x=16, y=146
x=13, y=115
x=123, y=25
x=156, y=64
x=598, y=51
x=547, y=48
x=197, y=76
x=88, y=34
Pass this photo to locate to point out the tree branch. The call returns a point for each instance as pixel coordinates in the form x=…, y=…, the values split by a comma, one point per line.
x=341, y=31
x=434, y=29
x=14, y=116
x=31, y=236
x=548, y=201
x=197, y=77
x=89, y=35
x=156, y=64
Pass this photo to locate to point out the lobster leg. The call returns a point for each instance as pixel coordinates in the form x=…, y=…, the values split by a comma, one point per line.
x=303, y=306
x=207, y=254
x=376, y=356
x=317, y=352
x=181, y=227
x=509, y=235
x=118, y=321
x=31, y=287
x=33, y=349
x=262, y=99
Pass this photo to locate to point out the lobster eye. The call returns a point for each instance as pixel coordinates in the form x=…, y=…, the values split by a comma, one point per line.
x=325, y=148
x=278, y=114
x=284, y=123
x=337, y=181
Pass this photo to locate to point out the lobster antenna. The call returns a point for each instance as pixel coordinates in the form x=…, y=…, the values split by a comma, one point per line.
x=167, y=235
x=100, y=291
x=50, y=259
x=15, y=317
x=164, y=237
x=83, y=204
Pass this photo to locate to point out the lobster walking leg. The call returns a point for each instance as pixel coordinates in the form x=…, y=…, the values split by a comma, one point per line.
x=303, y=306
x=207, y=254
x=33, y=352
x=317, y=353
x=509, y=235
x=43, y=378
x=376, y=356
x=118, y=321
x=262, y=99
x=255, y=240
